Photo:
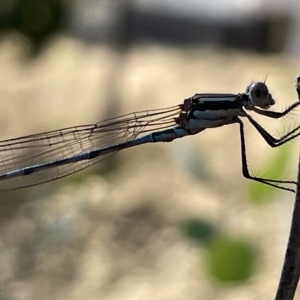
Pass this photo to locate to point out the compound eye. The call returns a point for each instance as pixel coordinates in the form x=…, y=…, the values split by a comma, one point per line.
x=259, y=90
x=259, y=95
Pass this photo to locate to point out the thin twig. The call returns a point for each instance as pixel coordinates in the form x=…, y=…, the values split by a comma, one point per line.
x=291, y=267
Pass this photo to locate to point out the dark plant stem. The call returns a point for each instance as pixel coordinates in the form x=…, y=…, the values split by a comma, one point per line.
x=291, y=267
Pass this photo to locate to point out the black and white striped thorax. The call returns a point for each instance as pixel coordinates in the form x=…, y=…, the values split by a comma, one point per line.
x=214, y=110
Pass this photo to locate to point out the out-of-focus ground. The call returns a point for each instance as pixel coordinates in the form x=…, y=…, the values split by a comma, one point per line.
x=118, y=236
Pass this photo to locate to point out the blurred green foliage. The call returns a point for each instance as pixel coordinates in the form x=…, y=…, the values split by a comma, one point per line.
x=198, y=230
x=275, y=167
x=229, y=260
x=36, y=20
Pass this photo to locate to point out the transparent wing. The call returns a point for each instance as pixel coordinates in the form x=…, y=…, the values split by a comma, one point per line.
x=50, y=146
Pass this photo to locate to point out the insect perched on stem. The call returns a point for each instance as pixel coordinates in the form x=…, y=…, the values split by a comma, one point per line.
x=44, y=157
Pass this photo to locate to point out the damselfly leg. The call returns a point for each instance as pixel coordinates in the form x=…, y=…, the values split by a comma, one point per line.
x=272, y=141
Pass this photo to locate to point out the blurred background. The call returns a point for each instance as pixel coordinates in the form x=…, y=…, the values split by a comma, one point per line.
x=163, y=221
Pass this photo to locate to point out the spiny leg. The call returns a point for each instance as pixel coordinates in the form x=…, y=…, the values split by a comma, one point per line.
x=272, y=141
x=276, y=114
x=246, y=173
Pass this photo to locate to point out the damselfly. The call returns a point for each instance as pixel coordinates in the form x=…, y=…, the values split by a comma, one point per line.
x=48, y=156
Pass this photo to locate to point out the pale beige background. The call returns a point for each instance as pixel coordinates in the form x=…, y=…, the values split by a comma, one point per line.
x=117, y=237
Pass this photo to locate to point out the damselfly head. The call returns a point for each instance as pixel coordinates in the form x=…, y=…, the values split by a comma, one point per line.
x=259, y=95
